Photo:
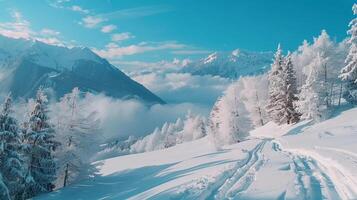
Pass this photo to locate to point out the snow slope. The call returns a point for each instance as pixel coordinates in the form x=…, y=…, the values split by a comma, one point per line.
x=302, y=161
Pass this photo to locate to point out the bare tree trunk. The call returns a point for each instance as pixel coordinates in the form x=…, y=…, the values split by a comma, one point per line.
x=331, y=94
x=325, y=87
x=340, y=96
x=65, y=176
x=66, y=172
x=259, y=109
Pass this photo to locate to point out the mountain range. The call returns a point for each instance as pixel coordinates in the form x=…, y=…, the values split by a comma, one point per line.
x=231, y=64
x=26, y=65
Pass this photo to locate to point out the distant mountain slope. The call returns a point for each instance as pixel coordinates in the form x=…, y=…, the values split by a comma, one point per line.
x=27, y=65
x=231, y=64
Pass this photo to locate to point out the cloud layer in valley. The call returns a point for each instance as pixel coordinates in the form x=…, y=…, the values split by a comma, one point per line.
x=121, y=118
x=184, y=87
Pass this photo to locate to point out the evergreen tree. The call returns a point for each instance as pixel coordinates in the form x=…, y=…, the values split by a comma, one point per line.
x=226, y=125
x=193, y=128
x=282, y=90
x=312, y=102
x=291, y=115
x=40, y=145
x=254, y=95
x=11, y=164
x=349, y=72
x=77, y=132
x=276, y=99
x=4, y=192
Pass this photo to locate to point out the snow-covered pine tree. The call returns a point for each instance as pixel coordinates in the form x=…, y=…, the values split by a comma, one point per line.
x=202, y=128
x=334, y=52
x=194, y=128
x=227, y=124
x=312, y=104
x=276, y=100
x=291, y=92
x=214, y=122
x=254, y=95
x=4, y=192
x=234, y=118
x=11, y=163
x=78, y=133
x=349, y=72
x=40, y=143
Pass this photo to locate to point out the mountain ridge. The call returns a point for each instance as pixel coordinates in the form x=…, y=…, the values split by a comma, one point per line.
x=38, y=64
x=231, y=64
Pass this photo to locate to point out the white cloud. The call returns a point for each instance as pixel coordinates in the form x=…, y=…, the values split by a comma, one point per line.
x=120, y=118
x=51, y=40
x=20, y=28
x=79, y=9
x=108, y=28
x=121, y=36
x=186, y=62
x=63, y=1
x=62, y=4
x=49, y=32
x=184, y=87
x=113, y=50
x=191, y=52
x=135, y=68
x=58, y=3
x=91, y=21
x=136, y=12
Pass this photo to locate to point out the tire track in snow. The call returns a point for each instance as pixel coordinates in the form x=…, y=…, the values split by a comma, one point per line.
x=334, y=182
x=240, y=177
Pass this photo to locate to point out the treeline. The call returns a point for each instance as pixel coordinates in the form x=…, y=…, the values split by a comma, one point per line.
x=38, y=155
x=191, y=127
x=309, y=83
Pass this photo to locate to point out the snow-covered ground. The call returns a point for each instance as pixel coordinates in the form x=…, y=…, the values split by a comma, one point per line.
x=302, y=161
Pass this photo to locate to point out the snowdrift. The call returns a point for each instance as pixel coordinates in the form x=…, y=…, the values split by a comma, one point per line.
x=302, y=161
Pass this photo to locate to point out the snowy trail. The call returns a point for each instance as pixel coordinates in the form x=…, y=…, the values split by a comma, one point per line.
x=343, y=181
x=347, y=154
x=241, y=176
x=320, y=177
x=301, y=161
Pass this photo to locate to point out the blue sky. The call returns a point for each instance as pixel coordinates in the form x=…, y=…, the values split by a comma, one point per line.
x=151, y=31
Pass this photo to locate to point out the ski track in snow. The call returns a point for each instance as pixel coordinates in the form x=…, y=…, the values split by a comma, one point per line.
x=300, y=171
x=350, y=155
x=319, y=177
x=240, y=177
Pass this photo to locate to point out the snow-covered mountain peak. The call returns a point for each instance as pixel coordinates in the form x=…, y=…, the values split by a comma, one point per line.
x=231, y=64
x=236, y=52
x=59, y=58
x=62, y=69
x=211, y=58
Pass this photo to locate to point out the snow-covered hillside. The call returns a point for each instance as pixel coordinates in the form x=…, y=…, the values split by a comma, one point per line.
x=231, y=64
x=62, y=69
x=301, y=161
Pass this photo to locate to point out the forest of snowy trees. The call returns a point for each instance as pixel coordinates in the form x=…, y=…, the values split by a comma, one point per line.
x=38, y=155
x=308, y=84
